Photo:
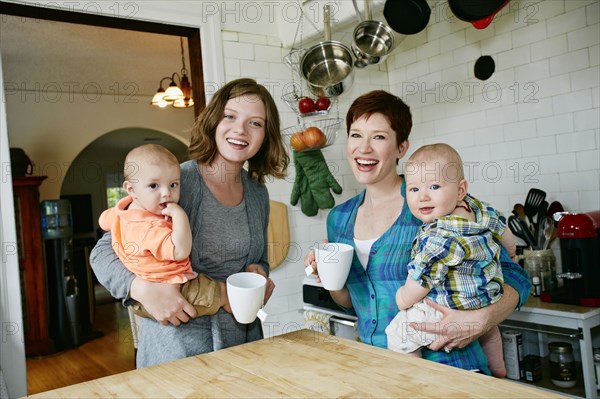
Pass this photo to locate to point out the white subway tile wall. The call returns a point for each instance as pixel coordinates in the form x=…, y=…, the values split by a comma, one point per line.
x=534, y=123
x=542, y=95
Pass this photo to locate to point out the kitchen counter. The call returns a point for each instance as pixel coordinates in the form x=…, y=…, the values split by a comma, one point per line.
x=536, y=305
x=300, y=364
x=578, y=325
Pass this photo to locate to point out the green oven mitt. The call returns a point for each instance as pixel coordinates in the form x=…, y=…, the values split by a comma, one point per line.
x=320, y=179
x=301, y=191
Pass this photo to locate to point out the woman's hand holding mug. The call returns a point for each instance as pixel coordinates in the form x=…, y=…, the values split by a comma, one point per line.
x=256, y=268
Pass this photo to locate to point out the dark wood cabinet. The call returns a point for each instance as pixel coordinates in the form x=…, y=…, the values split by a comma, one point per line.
x=31, y=265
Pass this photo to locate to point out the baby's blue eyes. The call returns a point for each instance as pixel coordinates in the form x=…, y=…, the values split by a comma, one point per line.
x=432, y=187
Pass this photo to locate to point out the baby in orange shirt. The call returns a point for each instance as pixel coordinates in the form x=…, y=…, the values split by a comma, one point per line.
x=151, y=232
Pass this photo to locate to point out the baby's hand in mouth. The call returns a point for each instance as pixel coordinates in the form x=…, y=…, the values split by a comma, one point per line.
x=165, y=210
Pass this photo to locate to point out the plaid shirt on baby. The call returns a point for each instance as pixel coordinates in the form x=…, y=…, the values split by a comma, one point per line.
x=458, y=260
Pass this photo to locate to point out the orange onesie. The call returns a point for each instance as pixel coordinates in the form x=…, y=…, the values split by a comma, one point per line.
x=142, y=240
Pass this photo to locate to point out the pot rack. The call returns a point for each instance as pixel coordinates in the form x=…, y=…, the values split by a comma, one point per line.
x=372, y=42
x=329, y=126
x=292, y=60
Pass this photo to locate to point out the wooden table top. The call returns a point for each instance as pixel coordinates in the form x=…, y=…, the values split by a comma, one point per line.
x=300, y=364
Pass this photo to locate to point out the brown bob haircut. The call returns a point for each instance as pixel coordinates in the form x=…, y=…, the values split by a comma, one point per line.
x=381, y=102
x=271, y=159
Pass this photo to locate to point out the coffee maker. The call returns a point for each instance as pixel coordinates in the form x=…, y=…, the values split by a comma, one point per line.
x=579, y=235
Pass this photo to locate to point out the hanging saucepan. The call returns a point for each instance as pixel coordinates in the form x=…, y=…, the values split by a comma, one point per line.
x=407, y=17
x=373, y=40
x=479, y=13
x=327, y=66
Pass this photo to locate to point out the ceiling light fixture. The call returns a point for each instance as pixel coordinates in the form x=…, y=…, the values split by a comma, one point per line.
x=177, y=95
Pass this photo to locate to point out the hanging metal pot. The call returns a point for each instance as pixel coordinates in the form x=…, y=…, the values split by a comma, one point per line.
x=373, y=40
x=327, y=67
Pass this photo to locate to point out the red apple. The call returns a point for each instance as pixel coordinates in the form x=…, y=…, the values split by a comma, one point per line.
x=322, y=104
x=306, y=105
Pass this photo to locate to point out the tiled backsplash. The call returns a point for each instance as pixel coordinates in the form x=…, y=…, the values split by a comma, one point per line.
x=535, y=122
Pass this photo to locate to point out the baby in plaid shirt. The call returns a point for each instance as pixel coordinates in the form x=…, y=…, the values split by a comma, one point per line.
x=455, y=255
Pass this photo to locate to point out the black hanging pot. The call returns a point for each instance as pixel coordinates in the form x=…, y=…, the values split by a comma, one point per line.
x=407, y=16
x=479, y=13
x=484, y=67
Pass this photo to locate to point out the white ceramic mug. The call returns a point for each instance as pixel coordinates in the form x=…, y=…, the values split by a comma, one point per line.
x=246, y=293
x=333, y=264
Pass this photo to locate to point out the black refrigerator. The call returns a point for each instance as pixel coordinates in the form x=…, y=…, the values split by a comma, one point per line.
x=63, y=291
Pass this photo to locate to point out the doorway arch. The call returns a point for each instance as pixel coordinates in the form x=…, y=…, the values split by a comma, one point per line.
x=103, y=159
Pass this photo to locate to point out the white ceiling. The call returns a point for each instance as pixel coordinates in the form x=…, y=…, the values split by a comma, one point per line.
x=48, y=55
x=51, y=54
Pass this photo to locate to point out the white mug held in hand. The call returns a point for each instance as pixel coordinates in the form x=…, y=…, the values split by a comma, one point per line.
x=333, y=264
x=246, y=293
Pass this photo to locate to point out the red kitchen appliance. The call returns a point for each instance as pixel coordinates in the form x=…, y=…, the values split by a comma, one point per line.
x=579, y=235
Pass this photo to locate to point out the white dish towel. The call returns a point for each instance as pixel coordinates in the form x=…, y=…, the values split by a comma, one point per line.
x=317, y=321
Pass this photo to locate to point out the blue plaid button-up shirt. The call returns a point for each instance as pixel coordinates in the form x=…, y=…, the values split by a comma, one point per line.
x=373, y=290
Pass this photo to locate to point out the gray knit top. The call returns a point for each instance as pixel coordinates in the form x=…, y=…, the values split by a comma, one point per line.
x=225, y=240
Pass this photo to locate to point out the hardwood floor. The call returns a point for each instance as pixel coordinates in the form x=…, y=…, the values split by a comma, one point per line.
x=110, y=354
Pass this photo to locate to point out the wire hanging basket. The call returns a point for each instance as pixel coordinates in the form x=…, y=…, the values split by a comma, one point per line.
x=292, y=99
x=302, y=138
x=319, y=106
x=292, y=60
